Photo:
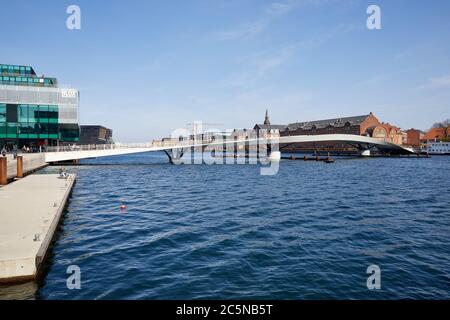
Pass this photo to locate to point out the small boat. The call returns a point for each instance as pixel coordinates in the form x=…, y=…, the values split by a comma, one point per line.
x=328, y=160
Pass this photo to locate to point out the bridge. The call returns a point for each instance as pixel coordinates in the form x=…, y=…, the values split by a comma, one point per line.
x=175, y=149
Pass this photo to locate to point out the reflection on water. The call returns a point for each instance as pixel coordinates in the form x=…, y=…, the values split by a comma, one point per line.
x=226, y=232
x=24, y=291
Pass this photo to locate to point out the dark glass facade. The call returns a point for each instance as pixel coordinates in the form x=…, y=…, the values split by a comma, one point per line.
x=25, y=121
x=95, y=135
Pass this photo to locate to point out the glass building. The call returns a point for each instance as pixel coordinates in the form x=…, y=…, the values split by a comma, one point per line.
x=34, y=111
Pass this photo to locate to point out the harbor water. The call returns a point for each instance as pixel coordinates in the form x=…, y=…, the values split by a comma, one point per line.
x=226, y=232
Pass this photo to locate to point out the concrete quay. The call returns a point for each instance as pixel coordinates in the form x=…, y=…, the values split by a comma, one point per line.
x=30, y=211
x=23, y=165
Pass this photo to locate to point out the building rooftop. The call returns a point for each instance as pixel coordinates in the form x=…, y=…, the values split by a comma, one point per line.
x=93, y=126
x=16, y=69
x=336, y=122
x=437, y=133
x=18, y=75
x=270, y=127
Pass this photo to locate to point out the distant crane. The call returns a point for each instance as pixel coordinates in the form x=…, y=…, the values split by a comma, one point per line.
x=196, y=127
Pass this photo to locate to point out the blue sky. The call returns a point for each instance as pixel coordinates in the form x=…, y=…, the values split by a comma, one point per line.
x=145, y=68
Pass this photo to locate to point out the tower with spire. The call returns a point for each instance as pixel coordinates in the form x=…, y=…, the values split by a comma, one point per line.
x=268, y=127
x=267, y=120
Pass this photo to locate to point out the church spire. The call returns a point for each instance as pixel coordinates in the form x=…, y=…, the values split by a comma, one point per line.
x=267, y=120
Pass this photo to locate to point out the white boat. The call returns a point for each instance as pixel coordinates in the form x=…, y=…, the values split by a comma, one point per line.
x=438, y=148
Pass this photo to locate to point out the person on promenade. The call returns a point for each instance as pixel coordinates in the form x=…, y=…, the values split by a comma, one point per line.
x=62, y=173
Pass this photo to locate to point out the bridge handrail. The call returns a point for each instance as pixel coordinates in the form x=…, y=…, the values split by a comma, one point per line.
x=97, y=147
x=116, y=146
x=175, y=143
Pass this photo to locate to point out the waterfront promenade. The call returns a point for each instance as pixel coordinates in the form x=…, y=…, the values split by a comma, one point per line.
x=30, y=163
x=30, y=209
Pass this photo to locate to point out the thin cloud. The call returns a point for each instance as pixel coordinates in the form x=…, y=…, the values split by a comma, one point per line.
x=437, y=83
x=260, y=64
x=282, y=8
x=245, y=31
x=267, y=63
x=279, y=8
x=252, y=29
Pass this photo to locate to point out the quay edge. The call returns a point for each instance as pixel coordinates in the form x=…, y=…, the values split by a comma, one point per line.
x=27, y=228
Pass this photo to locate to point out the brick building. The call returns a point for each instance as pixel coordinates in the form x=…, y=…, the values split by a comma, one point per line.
x=365, y=125
x=413, y=137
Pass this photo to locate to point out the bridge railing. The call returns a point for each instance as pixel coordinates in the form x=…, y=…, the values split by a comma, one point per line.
x=98, y=147
x=117, y=146
x=154, y=144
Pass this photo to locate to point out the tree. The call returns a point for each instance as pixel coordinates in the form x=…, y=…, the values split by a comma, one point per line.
x=443, y=124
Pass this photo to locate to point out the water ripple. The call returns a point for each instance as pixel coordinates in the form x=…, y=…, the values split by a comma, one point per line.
x=202, y=232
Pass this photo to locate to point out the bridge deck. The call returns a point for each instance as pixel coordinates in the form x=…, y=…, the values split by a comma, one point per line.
x=83, y=152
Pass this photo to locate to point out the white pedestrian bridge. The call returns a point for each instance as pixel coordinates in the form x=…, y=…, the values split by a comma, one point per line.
x=175, y=149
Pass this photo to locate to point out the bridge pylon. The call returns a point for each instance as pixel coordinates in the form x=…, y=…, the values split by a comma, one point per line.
x=175, y=155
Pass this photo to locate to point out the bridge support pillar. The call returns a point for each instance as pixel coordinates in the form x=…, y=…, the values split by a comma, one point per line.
x=175, y=156
x=364, y=153
x=176, y=161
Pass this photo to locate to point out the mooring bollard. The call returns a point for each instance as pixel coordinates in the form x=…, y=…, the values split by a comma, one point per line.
x=3, y=172
x=19, y=166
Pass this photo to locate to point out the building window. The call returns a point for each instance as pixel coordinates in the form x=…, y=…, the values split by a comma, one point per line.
x=11, y=113
x=33, y=113
x=43, y=134
x=53, y=114
x=70, y=133
x=23, y=113
x=43, y=113
x=2, y=113
x=11, y=130
x=23, y=130
x=2, y=130
x=53, y=131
